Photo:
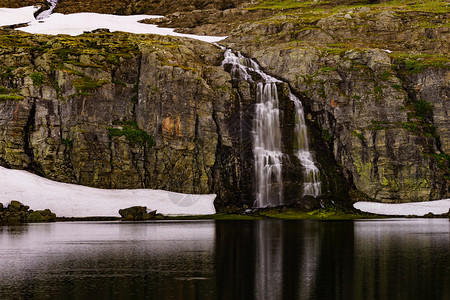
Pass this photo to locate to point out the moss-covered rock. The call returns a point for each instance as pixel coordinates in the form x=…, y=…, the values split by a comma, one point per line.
x=137, y=213
x=17, y=213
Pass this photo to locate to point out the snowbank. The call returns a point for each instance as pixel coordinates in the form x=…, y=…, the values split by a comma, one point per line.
x=70, y=200
x=76, y=24
x=13, y=16
x=404, y=209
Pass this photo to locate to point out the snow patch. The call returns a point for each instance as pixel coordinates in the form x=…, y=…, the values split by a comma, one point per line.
x=76, y=24
x=14, y=16
x=70, y=200
x=404, y=209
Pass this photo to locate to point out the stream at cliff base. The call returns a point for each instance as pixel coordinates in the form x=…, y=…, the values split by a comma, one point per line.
x=264, y=259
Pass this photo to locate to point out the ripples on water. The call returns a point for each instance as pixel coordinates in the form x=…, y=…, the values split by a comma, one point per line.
x=389, y=259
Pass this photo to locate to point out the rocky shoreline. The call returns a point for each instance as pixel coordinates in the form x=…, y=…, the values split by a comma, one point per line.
x=16, y=213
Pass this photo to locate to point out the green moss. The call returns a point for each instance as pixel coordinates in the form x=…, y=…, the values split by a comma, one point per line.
x=397, y=87
x=413, y=64
x=378, y=91
x=326, y=135
x=327, y=69
x=3, y=90
x=133, y=134
x=385, y=75
x=378, y=125
x=11, y=97
x=67, y=142
x=359, y=135
x=120, y=83
x=328, y=213
x=7, y=95
x=424, y=110
x=87, y=84
x=410, y=126
x=38, y=78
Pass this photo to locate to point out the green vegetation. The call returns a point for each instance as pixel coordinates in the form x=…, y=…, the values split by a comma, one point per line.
x=87, y=84
x=424, y=110
x=11, y=97
x=329, y=213
x=359, y=135
x=439, y=6
x=413, y=64
x=67, y=142
x=133, y=134
x=397, y=87
x=326, y=135
x=7, y=95
x=327, y=69
x=443, y=162
x=38, y=78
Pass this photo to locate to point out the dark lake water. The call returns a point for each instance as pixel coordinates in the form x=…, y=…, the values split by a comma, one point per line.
x=268, y=259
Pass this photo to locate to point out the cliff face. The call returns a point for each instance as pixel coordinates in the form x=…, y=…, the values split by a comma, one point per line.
x=387, y=127
x=384, y=114
x=125, y=111
x=116, y=111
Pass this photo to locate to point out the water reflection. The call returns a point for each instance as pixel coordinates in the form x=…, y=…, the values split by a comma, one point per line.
x=412, y=254
x=389, y=259
x=107, y=261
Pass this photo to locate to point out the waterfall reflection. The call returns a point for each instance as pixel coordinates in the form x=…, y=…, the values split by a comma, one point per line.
x=267, y=259
x=262, y=259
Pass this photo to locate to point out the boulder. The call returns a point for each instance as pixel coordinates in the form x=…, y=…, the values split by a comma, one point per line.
x=15, y=206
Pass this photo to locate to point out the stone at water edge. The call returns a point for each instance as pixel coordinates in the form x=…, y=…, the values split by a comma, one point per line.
x=137, y=213
x=17, y=213
x=41, y=216
x=15, y=206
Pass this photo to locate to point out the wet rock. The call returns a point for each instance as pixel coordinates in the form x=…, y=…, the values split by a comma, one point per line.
x=17, y=213
x=15, y=206
x=137, y=213
x=307, y=203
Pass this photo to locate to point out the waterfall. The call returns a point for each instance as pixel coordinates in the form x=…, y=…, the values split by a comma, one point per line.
x=267, y=152
x=311, y=174
x=267, y=146
x=46, y=13
x=266, y=129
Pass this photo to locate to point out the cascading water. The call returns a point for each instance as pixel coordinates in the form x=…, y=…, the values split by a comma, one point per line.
x=267, y=134
x=267, y=146
x=311, y=178
x=46, y=13
x=266, y=129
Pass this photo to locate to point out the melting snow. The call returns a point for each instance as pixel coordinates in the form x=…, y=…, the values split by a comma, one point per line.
x=70, y=200
x=76, y=24
x=13, y=16
x=404, y=209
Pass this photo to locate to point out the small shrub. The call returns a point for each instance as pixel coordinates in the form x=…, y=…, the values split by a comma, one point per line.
x=423, y=109
x=133, y=134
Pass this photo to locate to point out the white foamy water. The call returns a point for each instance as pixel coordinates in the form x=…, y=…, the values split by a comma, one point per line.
x=404, y=209
x=70, y=200
x=311, y=174
x=46, y=13
x=266, y=126
x=267, y=150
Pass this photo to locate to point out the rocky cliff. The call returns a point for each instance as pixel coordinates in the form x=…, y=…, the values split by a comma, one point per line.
x=126, y=111
x=118, y=111
x=376, y=83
